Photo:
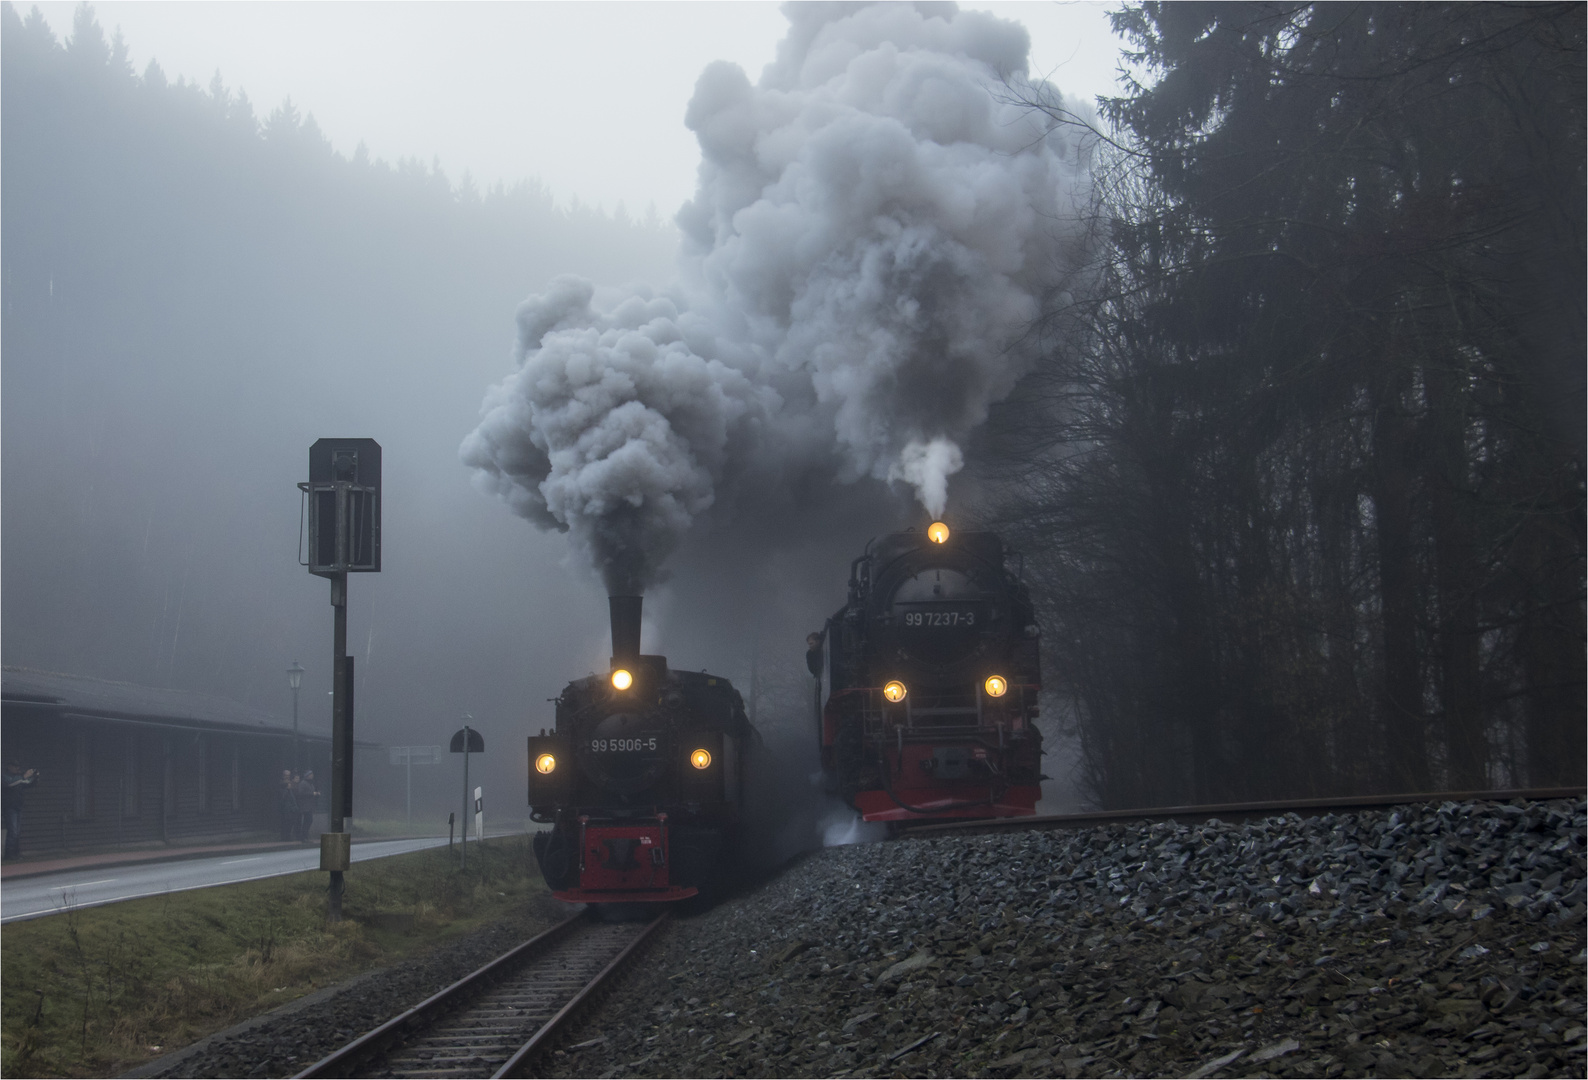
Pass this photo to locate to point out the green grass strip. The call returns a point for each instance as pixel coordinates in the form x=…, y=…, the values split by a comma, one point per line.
x=98, y=991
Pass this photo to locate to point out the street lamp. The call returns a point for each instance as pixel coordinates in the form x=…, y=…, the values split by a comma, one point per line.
x=294, y=680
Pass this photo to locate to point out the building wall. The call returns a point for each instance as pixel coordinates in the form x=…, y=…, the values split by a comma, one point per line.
x=107, y=783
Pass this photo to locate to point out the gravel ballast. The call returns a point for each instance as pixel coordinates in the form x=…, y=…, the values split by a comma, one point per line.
x=1431, y=940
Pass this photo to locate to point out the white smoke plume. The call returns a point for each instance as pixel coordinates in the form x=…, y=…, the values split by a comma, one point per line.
x=927, y=467
x=871, y=241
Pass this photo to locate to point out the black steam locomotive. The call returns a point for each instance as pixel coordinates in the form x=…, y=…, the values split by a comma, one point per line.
x=932, y=675
x=642, y=779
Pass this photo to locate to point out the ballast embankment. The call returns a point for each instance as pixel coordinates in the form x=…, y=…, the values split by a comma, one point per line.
x=1425, y=940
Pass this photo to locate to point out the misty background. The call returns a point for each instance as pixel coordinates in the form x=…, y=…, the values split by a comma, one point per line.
x=195, y=291
x=193, y=294
x=1296, y=458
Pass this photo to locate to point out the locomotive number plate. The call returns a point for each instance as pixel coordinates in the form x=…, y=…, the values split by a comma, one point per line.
x=608, y=746
x=950, y=619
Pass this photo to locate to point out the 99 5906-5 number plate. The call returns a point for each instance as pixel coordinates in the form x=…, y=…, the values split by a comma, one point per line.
x=608, y=746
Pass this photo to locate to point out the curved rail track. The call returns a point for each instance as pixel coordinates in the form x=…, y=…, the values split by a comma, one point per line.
x=495, y=1021
x=1235, y=811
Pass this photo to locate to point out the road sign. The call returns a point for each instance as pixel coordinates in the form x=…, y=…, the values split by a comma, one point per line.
x=415, y=755
x=411, y=756
x=467, y=741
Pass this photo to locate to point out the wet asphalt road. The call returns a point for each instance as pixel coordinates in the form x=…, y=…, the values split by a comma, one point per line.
x=50, y=894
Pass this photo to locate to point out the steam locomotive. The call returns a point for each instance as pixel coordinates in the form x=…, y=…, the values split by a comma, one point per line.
x=932, y=675
x=642, y=778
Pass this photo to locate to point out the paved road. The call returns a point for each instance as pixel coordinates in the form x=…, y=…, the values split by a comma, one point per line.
x=49, y=894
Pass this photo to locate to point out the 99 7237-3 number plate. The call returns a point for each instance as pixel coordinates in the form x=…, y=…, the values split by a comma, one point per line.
x=931, y=619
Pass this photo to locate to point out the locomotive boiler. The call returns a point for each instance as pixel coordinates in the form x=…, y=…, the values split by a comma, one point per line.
x=931, y=671
x=641, y=779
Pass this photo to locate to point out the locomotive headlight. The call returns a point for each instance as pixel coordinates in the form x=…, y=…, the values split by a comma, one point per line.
x=937, y=532
x=894, y=691
x=621, y=679
x=701, y=758
x=996, y=686
x=545, y=764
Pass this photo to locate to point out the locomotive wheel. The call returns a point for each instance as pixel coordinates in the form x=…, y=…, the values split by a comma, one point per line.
x=700, y=858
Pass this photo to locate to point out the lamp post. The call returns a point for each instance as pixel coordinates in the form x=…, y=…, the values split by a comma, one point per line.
x=294, y=680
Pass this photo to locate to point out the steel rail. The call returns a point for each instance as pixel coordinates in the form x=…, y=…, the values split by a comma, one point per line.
x=377, y=1039
x=1234, y=811
x=542, y=1039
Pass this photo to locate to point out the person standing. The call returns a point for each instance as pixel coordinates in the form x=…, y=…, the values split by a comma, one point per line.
x=287, y=805
x=17, y=781
x=308, y=801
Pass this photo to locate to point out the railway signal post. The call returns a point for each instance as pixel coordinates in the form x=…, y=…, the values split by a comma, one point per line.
x=343, y=506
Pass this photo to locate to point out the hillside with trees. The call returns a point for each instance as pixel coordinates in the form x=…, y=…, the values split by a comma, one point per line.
x=1303, y=473
x=1299, y=477
x=193, y=292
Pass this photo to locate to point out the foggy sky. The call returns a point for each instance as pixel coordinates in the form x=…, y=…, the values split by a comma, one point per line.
x=509, y=91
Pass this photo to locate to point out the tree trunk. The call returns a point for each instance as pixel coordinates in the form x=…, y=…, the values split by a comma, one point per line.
x=1457, y=580
x=1401, y=696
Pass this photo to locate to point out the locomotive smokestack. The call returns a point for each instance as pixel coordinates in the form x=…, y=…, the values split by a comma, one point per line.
x=625, y=628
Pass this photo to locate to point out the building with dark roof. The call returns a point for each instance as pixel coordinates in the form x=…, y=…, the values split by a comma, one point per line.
x=137, y=766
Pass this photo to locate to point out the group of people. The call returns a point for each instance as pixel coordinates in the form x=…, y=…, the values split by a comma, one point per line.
x=297, y=800
x=17, y=781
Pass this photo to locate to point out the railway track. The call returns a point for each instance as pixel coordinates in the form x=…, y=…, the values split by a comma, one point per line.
x=495, y=1021
x=1234, y=812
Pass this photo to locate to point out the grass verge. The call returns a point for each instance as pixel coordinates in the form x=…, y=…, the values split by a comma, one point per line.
x=372, y=828
x=97, y=991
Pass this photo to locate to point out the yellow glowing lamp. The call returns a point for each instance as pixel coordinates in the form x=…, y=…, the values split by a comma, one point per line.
x=621, y=679
x=937, y=532
x=996, y=686
x=894, y=691
x=700, y=758
x=545, y=764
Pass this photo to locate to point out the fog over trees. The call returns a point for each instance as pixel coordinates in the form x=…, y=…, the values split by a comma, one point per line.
x=1298, y=475
x=193, y=293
